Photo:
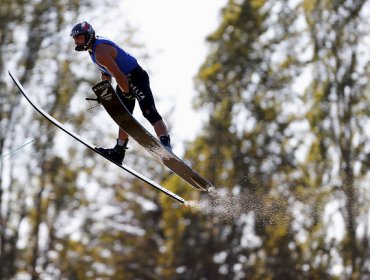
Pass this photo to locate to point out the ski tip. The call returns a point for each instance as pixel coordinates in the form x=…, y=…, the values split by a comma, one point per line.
x=11, y=76
x=201, y=184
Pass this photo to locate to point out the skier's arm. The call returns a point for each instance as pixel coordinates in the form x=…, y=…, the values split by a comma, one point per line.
x=105, y=55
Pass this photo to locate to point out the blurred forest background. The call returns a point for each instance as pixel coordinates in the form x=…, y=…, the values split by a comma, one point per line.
x=286, y=89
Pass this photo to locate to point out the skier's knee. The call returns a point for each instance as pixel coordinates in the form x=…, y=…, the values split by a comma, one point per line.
x=152, y=115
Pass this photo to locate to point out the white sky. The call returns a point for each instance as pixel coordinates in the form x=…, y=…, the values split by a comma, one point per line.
x=175, y=32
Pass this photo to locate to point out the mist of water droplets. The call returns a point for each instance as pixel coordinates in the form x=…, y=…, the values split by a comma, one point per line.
x=223, y=207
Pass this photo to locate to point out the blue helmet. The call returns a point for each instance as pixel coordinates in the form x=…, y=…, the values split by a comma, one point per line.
x=86, y=29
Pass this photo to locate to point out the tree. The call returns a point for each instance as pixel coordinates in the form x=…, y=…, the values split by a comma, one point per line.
x=339, y=110
x=24, y=201
x=285, y=89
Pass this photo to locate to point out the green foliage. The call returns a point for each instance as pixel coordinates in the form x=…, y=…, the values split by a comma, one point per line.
x=285, y=155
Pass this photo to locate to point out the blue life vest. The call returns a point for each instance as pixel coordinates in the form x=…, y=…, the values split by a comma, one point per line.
x=124, y=60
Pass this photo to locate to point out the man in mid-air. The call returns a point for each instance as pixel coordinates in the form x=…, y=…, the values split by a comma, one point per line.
x=132, y=83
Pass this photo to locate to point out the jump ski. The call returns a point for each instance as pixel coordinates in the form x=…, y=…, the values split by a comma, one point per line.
x=108, y=97
x=79, y=139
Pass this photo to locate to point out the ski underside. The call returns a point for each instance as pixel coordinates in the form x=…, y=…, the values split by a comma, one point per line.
x=82, y=141
x=108, y=97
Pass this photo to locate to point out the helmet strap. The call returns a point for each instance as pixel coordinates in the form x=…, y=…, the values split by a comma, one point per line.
x=80, y=48
x=85, y=46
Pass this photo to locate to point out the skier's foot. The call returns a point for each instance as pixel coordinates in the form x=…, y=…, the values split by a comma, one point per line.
x=116, y=154
x=166, y=141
